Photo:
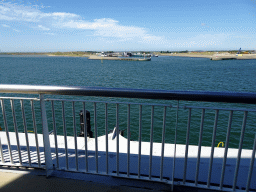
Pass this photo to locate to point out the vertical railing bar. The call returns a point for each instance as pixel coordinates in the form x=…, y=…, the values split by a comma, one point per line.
x=251, y=165
x=163, y=142
x=46, y=139
x=1, y=151
x=175, y=145
x=55, y=134
x=140, y=128
x=65, y=134
x=212, y=148
x=151, y=141
x=75, y=133
x=240, y=150
x=16, y=130
x=25, y=130
x=117, y=139
x=106, y=133
x=128, y=139
x=199, y=146
x=6, y=130
x=226, y=150
x=35, y=131
x=187, y=145
x=96, y=137
x=85, y=138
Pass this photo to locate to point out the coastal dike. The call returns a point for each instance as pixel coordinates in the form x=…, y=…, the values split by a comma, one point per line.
x=94, y=57
x=215, y=57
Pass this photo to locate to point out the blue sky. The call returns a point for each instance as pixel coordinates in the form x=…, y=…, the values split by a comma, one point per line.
x=81, y=25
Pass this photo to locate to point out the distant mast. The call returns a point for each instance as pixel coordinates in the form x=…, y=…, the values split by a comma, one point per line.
x=239, y=51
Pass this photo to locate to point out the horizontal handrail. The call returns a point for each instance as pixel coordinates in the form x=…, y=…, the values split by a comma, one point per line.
x=208, y=96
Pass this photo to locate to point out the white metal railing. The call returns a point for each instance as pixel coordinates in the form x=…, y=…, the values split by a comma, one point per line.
x=68, y=152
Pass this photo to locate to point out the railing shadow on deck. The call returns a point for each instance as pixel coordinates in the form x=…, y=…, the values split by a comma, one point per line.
x=122, y=171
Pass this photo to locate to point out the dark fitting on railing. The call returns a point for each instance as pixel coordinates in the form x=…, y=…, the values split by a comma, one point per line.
x=88, y=124
x=121, y=132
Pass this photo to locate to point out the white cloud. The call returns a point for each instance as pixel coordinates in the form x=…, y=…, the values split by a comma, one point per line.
x=104, y=27
x=63, y=15
x=17, y=30
x=96, y=24
x=43, y=28
x=7, y=26
x=14, y=12
x=4, y=25
x=49, y=33
x=107, y=27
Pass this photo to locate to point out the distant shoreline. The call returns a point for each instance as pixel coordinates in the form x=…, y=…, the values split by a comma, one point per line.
x=210, y=55
x=50, y=55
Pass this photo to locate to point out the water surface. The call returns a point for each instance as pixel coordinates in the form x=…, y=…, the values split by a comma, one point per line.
x=167, y=73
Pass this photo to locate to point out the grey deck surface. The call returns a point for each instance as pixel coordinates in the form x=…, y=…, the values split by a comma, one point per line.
x=30, y=182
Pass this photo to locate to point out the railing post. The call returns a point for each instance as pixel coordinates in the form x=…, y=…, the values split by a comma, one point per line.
x=47, y=147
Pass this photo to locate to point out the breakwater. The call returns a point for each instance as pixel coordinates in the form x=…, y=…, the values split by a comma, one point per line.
x=94, y=57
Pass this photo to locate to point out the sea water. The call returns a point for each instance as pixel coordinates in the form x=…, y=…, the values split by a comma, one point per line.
x=165, y=73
